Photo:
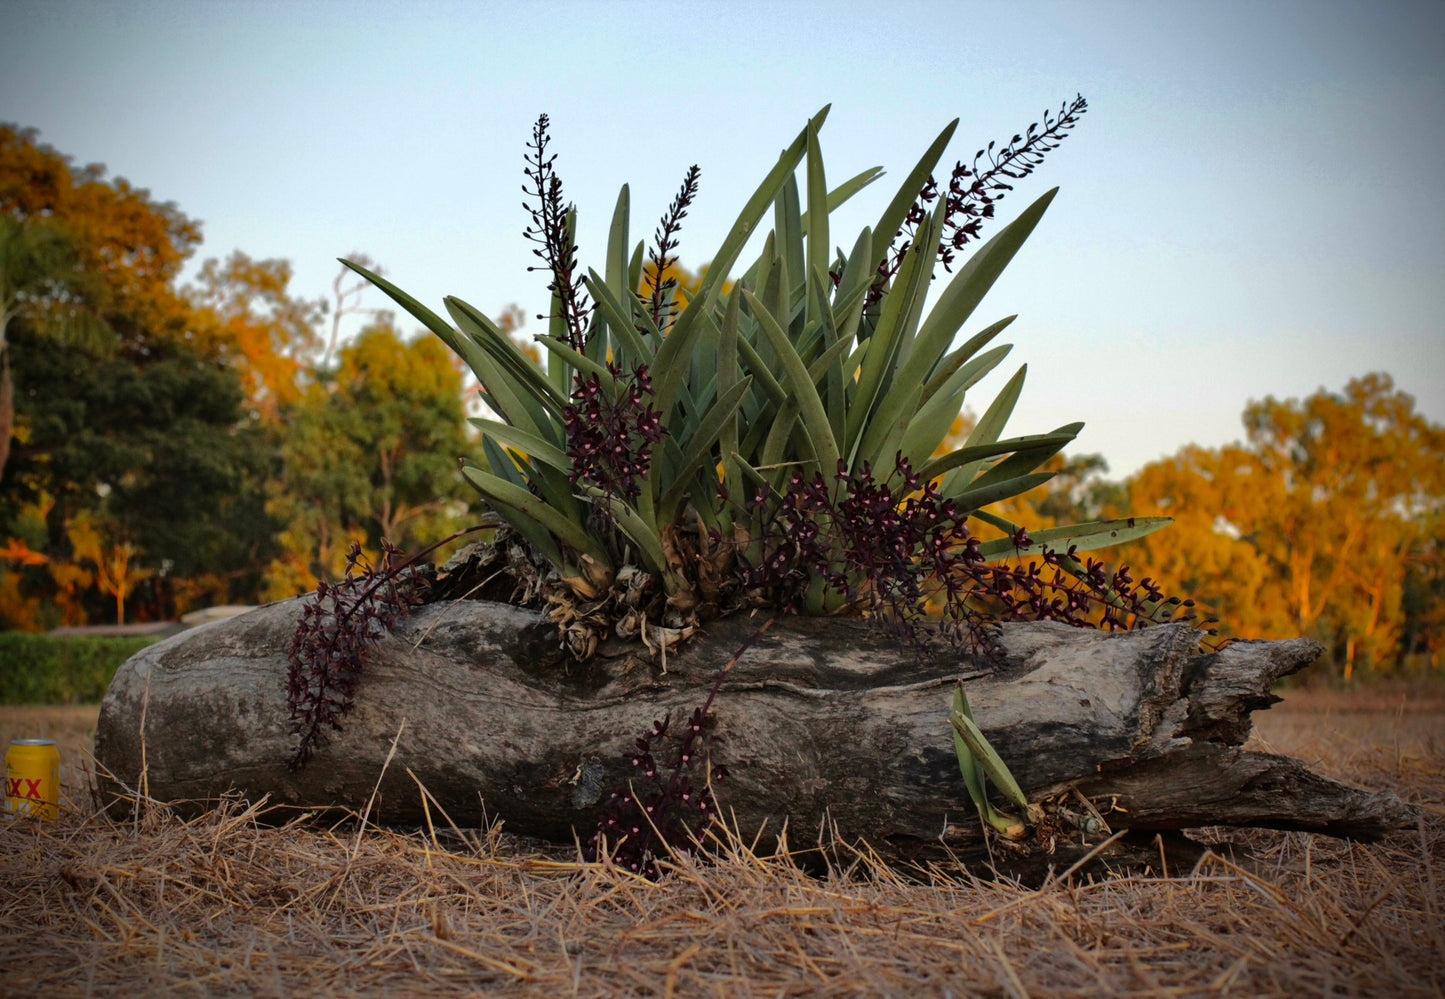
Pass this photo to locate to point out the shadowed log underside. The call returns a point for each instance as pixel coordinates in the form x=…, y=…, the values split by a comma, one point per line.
x=825, y=724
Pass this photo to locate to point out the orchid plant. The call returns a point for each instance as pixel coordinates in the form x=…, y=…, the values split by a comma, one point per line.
x=667, y=437
x=777, y=434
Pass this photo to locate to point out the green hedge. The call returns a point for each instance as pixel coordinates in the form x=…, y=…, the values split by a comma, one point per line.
x=49, y=669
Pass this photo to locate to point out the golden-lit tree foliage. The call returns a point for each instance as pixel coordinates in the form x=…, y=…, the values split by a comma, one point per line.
x=111, y=559
x=1329, y=521
x=135, y=246
x=131, y=248
x=1423, y=634
x=162, y=425
x=245, y=315
x=1201, y=554
x=43, y=286
x=1078, y=492
x=370, y=453
x=1308, y=528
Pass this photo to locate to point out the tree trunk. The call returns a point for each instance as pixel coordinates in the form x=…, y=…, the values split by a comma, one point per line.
x=7, y=406
x=824, y=725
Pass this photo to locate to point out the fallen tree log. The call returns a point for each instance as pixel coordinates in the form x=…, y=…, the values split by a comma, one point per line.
x=824, y=725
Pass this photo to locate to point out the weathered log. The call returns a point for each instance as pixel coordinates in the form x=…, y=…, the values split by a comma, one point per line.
x=824, y=724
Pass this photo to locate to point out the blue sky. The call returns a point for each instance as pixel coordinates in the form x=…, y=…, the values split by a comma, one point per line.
x=1251, y=206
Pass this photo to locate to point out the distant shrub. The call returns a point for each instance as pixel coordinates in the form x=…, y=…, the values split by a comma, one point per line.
x=51, y=669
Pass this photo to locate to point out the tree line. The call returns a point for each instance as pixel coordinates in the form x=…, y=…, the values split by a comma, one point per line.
x=1327, y=520
x=168, y=446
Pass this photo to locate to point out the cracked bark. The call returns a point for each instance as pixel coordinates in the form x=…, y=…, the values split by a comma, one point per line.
x=825, y=724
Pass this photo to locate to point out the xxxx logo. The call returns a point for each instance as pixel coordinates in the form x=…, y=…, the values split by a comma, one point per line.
x=32, y=787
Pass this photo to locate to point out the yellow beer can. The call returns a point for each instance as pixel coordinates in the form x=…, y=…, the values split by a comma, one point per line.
x=32, y=779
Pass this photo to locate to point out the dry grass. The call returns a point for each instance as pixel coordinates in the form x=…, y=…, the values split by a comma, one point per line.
x=226, y=904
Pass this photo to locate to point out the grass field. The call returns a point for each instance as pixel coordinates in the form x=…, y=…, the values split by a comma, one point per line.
x=225, y=904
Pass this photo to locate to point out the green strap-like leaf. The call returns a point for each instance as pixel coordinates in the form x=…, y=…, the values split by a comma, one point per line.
x=980, y=496
x=929, y=427
x=761, y=371
x=634, y=268
x=830, y=364
x=497, y=389
x=1022, y=462
x=974, y=777
x=841, y=194
x=921, y=357
x=1007, y=526
x=779, y=431
x=973, y=280
x=819, y=249
x=788, y=224
x=679, y=343
x=702, y=446
x=1086, y=537
x=522, y=369
x=529, y=444
x=892, y=218
x=425, y=316
x=852, y=291
x=988, y=758
x=926, y=239
x=622, y=323
x=499, y=490
x=547, y=482
x=502, y=464
x=729, y=372
x=637, y=528
x=922, y=419
x=525, y=409
x=945, y=463
x=559, y=373
x=581, y=362
x=810, y=407
x=777, y=298
x=837, y=197
x=988, y=430
x=618, y=244
x=946, y=367
x=521, y=409
x=830, y=367
x=900, y=308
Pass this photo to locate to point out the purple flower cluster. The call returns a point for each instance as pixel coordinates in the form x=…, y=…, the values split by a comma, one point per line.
x=974, y=190
x=551, y=230
x=664, y=242
x=1084, y=594
x=658, y=812
x=860, y=540
x=899, y=549
x=338, y=625
x=610, y=436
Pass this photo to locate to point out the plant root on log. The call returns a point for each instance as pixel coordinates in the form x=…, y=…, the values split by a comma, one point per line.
x=827, y=727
